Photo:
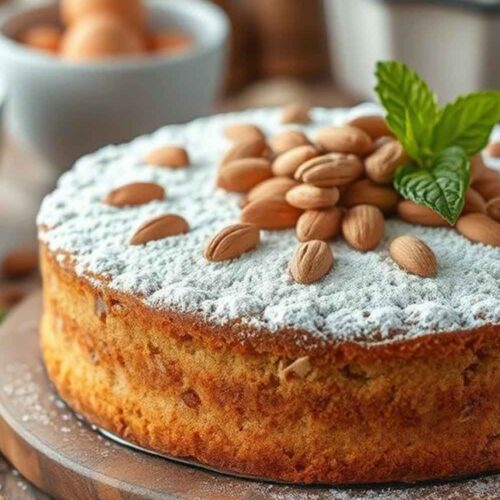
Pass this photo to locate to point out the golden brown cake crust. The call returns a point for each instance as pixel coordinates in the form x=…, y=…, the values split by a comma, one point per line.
x=404, y=411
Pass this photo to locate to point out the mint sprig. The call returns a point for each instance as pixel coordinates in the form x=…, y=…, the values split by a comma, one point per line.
x=441, y=187
x=439, y=141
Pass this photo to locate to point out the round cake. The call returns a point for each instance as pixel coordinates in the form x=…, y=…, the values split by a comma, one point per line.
x=174, y=326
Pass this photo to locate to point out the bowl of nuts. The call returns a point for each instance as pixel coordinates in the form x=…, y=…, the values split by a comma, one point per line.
x=85, y=73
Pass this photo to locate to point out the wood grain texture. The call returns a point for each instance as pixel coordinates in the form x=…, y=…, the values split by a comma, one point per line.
x=64, y=457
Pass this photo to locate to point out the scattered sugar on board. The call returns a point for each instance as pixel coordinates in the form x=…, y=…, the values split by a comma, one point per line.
x=366, y=298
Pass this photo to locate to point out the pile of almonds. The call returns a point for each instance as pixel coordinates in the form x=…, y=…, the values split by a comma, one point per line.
x=338, y=182
x=99, y=29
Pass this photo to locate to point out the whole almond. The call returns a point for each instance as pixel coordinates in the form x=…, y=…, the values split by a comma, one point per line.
x=319, y=224
x=381, y=165
x=19, y=263
x=284, y=141
x=493, y=209
x=232, y=241
x=363, y=227
x=309, y=197
x=295, y=113
x=479, y=228
x=168, y=156
x=330, y=170
x=480, y=172
x=160, y=227
x=270, y=188
x=382, y=141
x=414, y=256
x=345, y=139
x=474, y=202
x=366, y=192
x=253, y=148
x=375, y=126
x=493, y=149
x=418, y=214
x=238, y=132
x=270, y=213
x=288, y=162
x=300, y=368
x=135, y=193
x=488, y=188
x=311, y=261
x=242, y=175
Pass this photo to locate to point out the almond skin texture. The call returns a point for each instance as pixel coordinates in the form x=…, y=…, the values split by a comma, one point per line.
x=493, y=149
x=270, y=213
x=366, y=192
x=295, y=113
x=133, y=194
x=254, y=148
x=480, y=172
x=474, y=202
x=333, y=169
x=242, y=175
x=363, y=227
x=311, y=261
x=345, y=139
x=168, y=156
x=276, y=187
x=309, y=197
x=418, y=214
x=321, y=225
x=160, y=227
x=243, y=132
x=479, y=228
x=381, y=165
x=288, y=162
x=232, y=242
x=382, y=141
x=374, y=126
x=414, y=256
x=493, y=209
x=287, y=140
x=488, y=188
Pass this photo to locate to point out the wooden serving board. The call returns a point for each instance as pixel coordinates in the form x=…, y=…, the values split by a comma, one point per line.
x=64, y=457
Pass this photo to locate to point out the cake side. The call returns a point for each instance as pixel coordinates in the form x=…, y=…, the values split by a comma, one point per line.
x=420, y=409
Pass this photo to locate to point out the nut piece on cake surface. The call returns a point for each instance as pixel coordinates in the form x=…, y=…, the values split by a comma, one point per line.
x=133, y=194
x=288, y=162
x=311, y=261
x=296, y=113
x=244, y=174
x=330, y=170
x=414, y=256
x=319, y=224
x=160, y=227
x=308, y=197
x=363, y=227
x=168, y=156
x=479, y=228
x=270, y=213
x=346, y=139
x=243, y=132
x=232, y=241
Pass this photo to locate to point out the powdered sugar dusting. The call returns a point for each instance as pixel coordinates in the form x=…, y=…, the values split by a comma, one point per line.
x=366, y=298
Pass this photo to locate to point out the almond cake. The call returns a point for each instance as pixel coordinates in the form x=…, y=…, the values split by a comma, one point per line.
x=189, y=319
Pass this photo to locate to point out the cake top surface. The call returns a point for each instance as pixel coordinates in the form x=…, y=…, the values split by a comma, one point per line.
x=367, y=298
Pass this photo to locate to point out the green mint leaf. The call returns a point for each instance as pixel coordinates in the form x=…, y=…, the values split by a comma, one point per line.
x=441, y=187
x=467, y=122
x=411, y=106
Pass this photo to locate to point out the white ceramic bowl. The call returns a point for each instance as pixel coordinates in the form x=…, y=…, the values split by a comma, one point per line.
x=65, y=110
